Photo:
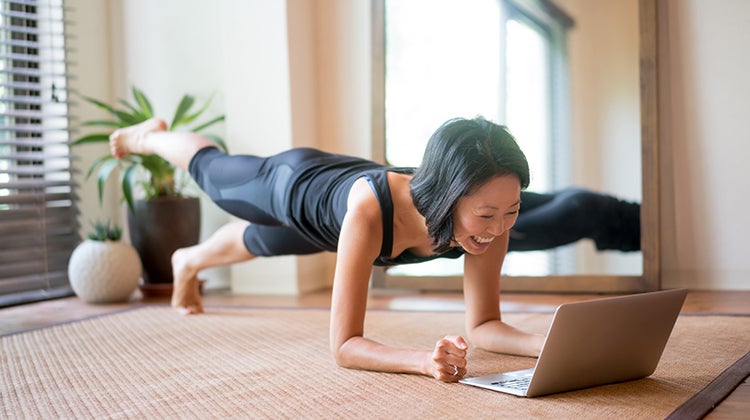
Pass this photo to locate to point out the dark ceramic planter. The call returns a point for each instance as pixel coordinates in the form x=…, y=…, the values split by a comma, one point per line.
x=157, y=229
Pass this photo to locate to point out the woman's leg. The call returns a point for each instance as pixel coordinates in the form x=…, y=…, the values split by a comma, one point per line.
x=151, y=138
x=242, y=185
x=225, y=246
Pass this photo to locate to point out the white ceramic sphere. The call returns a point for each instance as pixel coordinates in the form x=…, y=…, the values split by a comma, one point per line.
x=104, y=271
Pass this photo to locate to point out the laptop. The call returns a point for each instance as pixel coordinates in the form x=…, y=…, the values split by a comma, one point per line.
x=596, y=342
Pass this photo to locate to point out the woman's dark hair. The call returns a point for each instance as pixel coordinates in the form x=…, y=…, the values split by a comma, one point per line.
x=460, y=157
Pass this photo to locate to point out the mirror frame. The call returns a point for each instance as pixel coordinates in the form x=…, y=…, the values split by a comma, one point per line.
x=650, y=279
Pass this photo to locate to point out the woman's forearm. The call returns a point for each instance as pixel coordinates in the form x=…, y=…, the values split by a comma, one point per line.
x=362, y=353
x=500, y=337
x=446, y=362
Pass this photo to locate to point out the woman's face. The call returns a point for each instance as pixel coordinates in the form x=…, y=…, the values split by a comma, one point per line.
x=487, y=213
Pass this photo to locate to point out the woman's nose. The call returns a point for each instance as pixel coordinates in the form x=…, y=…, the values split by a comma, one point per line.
x=496, y=228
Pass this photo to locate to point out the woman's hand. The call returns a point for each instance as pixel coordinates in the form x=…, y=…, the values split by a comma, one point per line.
x=447, y=362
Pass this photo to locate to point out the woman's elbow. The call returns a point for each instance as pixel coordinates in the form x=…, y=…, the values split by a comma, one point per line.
x=475, y=338
x=340, y=356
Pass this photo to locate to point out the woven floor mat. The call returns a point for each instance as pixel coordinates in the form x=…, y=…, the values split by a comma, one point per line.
x=150, y=362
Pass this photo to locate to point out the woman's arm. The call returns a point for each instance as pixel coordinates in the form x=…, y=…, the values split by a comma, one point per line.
x=482, y=297
x=359, y=245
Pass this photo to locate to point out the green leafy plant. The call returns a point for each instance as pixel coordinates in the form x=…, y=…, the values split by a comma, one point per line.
x=153, y=173
x=105, y=231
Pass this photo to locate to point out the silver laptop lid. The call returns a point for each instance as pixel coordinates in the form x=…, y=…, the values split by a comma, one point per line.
x=605, y=341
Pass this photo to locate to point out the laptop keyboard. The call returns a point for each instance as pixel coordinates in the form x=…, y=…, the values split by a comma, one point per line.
x=520, y=384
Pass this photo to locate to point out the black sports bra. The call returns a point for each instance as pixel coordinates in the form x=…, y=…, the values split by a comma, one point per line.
x=378, y=180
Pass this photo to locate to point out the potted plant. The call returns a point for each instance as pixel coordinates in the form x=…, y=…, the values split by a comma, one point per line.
x=164, y=218
x=102, y=269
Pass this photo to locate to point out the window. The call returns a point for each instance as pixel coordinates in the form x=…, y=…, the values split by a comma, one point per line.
x=504, y=60
x=38, y=224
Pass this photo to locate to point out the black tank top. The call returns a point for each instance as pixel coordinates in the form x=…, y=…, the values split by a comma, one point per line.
x=379, y=183
x=318, y=203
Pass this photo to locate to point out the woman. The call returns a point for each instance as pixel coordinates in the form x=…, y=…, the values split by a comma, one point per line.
x=462, y=200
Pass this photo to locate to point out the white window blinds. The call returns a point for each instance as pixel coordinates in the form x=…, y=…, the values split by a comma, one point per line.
x=38, y=224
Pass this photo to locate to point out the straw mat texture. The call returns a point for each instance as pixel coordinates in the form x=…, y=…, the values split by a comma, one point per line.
x=150, y=362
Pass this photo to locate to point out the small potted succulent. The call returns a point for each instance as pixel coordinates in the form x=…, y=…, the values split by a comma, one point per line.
x=103, y=269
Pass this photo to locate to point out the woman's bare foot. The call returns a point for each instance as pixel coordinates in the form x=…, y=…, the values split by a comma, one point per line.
x=186, y=297
x=130, y=139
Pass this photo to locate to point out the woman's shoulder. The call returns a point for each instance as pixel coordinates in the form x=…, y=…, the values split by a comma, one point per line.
x=362, y=200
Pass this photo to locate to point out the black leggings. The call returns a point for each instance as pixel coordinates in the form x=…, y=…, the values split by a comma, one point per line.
x=255, y=189
x=551, y=220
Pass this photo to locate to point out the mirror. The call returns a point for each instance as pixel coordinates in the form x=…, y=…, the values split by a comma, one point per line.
x=621, y=117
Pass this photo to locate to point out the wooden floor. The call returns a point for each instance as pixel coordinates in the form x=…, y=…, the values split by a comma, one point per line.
x=41, y=314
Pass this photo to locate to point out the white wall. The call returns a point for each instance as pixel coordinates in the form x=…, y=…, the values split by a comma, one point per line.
x=91, y=38
x=344, y=75
x=704, y=102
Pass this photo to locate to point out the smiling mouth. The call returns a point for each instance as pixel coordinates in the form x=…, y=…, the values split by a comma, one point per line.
x=481, y=240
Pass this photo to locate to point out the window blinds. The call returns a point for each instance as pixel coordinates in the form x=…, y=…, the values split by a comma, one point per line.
x=38, y=223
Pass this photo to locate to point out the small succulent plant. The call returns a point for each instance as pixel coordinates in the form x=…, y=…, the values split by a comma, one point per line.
x=105, y=231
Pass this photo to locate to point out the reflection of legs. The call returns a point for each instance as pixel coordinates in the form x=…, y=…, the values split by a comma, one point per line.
x=551, y=220
x=225, y=246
